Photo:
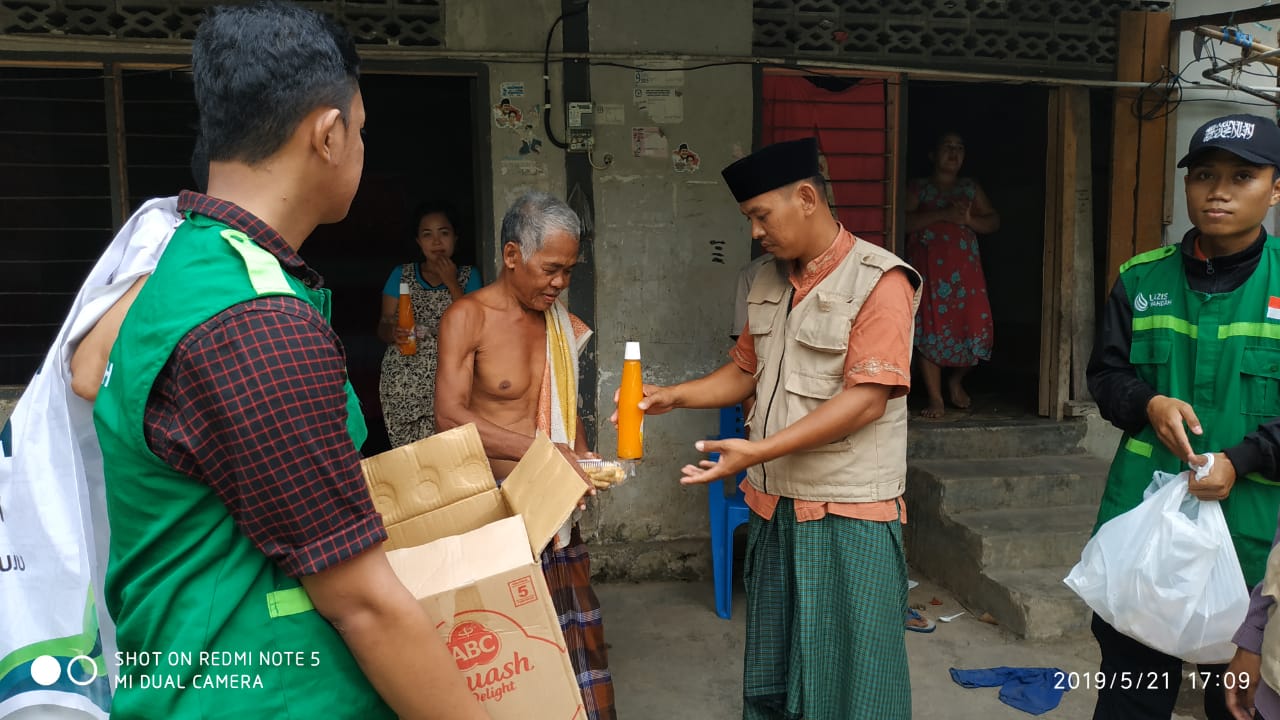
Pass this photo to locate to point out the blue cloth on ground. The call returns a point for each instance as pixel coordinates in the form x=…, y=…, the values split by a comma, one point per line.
x=1032, y=690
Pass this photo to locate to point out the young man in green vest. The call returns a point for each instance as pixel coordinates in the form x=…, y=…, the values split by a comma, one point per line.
x=246, y=572
x=1188, y=364
x=826, y=352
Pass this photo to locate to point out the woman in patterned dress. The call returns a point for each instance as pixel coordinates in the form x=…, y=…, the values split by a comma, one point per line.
x=945, y=214
x=407, y=386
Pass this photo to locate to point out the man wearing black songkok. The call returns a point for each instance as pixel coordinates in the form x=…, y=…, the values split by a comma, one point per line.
x=827, y=353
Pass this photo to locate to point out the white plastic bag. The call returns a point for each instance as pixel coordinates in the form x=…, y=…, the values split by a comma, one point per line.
x=53, y=523
x=1167, y=580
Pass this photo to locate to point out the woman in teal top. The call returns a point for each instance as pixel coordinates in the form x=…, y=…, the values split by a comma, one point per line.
x=407, y=387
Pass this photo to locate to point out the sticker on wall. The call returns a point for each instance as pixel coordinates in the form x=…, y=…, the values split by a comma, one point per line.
x=511, y=90
x=506, y=115
x=649, y=142
x=530, y=144
x=684, y=160
x=669, y=78
x=524, y=168
x=610, y=114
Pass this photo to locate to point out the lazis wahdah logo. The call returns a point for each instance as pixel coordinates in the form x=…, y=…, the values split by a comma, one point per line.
x=1151, y=300
x=473, y=644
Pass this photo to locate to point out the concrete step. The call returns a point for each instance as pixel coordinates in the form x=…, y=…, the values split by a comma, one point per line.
x=1033, y=603
x=1002, y=532
x=961, y=485
x=993, y=438
x=1020, y=539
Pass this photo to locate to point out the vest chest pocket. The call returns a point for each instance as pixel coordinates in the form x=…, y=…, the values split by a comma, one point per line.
x=818, y=387
x=1260, y=381
x=760, y=317
x=1150, y=358
x=825, y=332
x=811, y=387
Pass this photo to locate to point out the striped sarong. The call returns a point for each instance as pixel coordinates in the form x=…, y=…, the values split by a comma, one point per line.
x=825, y=603
x=568, y=574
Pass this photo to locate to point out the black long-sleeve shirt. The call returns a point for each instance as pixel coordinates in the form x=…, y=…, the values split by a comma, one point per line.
x=1122, y=396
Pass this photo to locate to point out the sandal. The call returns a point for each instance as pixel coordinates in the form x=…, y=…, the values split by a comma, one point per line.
x=928, y=626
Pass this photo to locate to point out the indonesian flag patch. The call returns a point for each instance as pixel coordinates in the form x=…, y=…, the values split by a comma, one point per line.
x=1273, y=308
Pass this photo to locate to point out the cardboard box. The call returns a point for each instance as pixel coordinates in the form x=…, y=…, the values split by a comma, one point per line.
x=469, y=552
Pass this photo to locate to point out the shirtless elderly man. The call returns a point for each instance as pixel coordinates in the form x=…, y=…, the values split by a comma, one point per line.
x=509, y=363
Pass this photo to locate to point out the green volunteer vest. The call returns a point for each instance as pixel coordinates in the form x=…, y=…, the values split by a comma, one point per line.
x=1221, y=354
x=208, y=626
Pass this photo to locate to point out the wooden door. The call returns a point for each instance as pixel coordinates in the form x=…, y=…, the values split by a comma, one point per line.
x=1067, y=307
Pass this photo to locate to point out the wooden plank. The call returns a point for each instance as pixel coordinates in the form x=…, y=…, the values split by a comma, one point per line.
x=1048, y=284
x=896, y=120
x=1079, y=408
x=1065, y=251
x=1124, y=147
x=1149, y=215
x=1084, y=297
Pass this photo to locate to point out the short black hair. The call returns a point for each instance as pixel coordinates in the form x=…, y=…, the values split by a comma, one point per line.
x=259, y=69
x=200, y=166
x=430, y=207
x=818, y=182
x=937, y=139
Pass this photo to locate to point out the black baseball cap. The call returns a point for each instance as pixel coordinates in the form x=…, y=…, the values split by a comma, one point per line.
x=1253, y=138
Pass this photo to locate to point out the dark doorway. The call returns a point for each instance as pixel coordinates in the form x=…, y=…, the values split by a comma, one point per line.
x=1005, y=135
x=418, y=146
x=55, y=198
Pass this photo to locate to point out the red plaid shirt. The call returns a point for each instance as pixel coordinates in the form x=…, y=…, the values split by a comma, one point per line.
x=252, y=403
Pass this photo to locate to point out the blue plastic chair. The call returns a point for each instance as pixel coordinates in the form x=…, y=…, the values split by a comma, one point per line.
x=727, y=513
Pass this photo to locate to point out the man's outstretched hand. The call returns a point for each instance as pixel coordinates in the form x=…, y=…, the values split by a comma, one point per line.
x=736, y=455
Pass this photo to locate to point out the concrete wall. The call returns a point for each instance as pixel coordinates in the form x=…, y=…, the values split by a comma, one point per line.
x=668, y=244
x=1211, y=102
x=658, y=281
x=489, y=25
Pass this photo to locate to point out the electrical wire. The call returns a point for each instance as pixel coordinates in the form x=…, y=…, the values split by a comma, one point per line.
x=546, y=79
x=608, y=159
x=1237, y=69
x=1169, y=87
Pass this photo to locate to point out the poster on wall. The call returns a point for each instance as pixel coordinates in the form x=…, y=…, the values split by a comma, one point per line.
x=657, y=78
x=660, y=95
x=662, y=105
x=649, y=142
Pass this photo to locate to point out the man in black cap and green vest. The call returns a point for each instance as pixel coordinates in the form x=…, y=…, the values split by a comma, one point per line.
x=246, y=573
x=826, y=352
x=1190, y=340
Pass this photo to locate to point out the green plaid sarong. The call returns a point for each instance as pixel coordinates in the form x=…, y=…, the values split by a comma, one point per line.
x=826, y=603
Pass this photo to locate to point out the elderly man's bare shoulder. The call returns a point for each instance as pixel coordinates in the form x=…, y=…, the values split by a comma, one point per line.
x=471, y=309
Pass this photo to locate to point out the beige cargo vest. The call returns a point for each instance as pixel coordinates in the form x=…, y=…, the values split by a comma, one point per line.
x=1271, y=634
x=801, y=365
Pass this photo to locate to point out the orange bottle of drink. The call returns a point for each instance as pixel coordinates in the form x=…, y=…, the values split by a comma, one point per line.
x=630, y=416
x=404, y=320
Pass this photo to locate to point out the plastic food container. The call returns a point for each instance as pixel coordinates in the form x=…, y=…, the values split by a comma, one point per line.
x=604, y=474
